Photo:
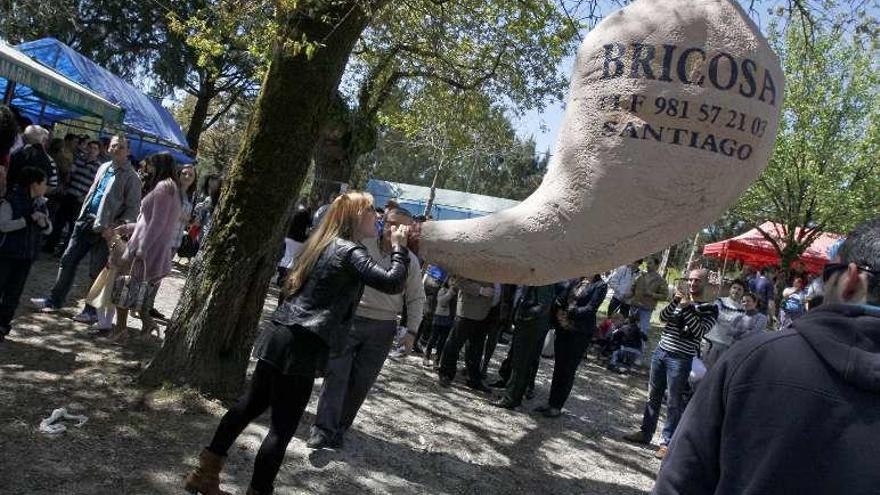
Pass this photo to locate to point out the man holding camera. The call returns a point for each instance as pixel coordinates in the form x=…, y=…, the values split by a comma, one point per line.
x=687, y=319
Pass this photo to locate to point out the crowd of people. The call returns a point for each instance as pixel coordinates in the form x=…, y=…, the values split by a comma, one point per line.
x=352, y=286
x=79, y=197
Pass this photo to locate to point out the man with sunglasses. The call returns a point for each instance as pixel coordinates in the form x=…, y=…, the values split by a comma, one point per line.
x=795, y=411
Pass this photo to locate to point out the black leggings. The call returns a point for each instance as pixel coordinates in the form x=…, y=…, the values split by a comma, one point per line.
x=287, y=396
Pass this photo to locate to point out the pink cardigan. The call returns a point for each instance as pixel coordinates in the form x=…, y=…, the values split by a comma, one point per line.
x=152, y=236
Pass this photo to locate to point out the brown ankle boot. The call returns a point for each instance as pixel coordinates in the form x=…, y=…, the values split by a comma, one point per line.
x=205, y=479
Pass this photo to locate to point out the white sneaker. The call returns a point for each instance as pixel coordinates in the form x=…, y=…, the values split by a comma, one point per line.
x=42, y=305
x=87, y=318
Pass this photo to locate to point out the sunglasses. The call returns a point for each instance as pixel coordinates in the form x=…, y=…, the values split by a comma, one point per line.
x=832, y=268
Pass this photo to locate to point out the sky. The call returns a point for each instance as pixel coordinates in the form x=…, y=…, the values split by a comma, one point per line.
x=544, y=125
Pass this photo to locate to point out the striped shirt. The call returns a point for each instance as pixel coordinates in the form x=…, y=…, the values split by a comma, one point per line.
x=685, y=327
x=82, y=176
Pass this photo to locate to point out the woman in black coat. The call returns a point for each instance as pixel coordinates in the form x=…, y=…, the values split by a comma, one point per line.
x=575, y=322
x=320, y=297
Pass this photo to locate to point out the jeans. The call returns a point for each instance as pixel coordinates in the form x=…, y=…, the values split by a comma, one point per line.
x=84, y=241
x=352, y=373
x=669, y=370
x=13, y=275
x=472, y=331
x=570, y=346
x=288, y=396
x=625, y=355
x=645, y=319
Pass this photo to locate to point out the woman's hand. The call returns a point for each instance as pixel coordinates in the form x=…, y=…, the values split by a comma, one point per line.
x=398, y=235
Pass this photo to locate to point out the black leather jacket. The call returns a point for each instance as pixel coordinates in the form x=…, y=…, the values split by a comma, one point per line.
x=326, y=302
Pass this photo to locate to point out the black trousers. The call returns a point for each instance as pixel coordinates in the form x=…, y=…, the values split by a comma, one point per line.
x=287, y=396
x=65, y=216
x=439, y=335
x=493, y=332
x=523, y=358
x=13, y=275
x=569, y=347
x=425, y=332
x=474, y=333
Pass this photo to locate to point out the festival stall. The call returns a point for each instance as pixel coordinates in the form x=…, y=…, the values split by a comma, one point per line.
x=36, y=89
x=40, y=84
x=752, y=248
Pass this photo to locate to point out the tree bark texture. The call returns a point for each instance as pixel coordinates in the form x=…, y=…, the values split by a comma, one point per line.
x=345, y=137
x=214, y=325
x=200, y=111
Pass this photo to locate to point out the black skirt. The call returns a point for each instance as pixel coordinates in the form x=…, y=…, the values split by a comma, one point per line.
x=291, y=350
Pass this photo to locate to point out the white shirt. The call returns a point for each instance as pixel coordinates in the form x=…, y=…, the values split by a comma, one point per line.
x=621, y=281
x=291, y=250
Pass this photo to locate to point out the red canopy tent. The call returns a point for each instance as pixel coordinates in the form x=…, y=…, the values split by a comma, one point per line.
x=751, y=248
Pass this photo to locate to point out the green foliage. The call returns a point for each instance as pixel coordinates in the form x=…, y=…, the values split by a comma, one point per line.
x=822, y=175
x=468, y=143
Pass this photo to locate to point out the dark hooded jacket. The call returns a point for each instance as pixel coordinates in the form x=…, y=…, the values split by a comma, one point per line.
x=792, y=412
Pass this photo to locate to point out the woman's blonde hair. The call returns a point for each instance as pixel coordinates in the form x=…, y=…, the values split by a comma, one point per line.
x=341, y=220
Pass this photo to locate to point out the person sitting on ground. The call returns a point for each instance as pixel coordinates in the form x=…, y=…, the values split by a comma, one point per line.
x=24, y=218
x=626, y=343
x=602, y=338
x=442, y=324
x=730, y=312
x=320, y=298
x=795, y=411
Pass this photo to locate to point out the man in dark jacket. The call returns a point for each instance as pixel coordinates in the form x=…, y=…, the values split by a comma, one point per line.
x=531, y=320
x=796, y=411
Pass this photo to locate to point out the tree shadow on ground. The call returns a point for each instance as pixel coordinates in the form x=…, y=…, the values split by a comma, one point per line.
x=411, y=435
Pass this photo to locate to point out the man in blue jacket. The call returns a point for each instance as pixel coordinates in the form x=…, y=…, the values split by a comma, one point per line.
x=796, y=411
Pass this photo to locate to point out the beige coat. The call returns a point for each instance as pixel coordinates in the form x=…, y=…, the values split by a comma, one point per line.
x=648, y=288
x=471, y=304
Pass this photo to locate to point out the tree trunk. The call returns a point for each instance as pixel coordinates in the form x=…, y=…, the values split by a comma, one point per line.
x=347, y=135
x=213, y=328
x=200, y=112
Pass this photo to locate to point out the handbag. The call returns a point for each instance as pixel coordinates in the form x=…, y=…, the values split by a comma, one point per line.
x=128, y=291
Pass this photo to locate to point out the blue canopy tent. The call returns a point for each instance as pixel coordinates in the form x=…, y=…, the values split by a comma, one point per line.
x=448, y=204
x=35, y=88
x=149, y=126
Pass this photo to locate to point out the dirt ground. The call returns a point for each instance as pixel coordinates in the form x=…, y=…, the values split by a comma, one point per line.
x=411, y=435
